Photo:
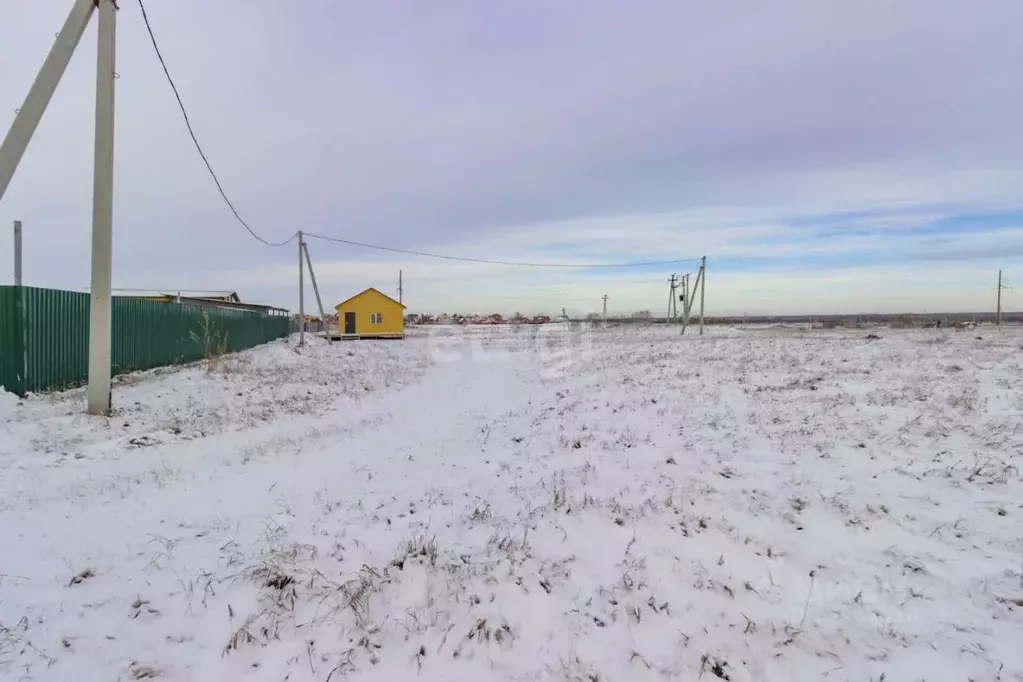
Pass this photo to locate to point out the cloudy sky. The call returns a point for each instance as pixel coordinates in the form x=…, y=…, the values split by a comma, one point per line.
x=825, y=156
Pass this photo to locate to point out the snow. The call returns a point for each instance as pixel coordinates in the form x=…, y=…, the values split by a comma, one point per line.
x=527, y=504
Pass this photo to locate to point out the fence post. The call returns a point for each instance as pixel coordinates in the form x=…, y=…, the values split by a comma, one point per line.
x=12, y=309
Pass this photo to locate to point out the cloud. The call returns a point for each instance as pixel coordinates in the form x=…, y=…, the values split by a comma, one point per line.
x=781, y=137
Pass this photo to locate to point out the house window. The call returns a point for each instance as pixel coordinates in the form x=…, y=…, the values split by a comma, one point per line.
x=376, y=318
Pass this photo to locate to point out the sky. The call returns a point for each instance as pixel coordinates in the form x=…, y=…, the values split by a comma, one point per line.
x=824, y=156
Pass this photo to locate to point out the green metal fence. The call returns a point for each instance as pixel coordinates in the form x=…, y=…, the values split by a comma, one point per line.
x=44, y=335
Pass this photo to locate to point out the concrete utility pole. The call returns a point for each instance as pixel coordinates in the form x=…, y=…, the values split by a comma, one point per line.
x=671, y=298
x=685, y=291
x=698, y=286
x=998, y=311
x=301, y=292
x=316, y=290
x=703, y=289
x=39, y=95
x=98, y=392
x=20, y=134
x=605, y=310
x=17, y=253
x=687, y=304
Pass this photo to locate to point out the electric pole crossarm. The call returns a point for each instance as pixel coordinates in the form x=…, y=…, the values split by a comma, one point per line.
x=31, y=112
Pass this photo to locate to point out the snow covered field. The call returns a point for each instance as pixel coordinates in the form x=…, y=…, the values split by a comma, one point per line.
x=538, y=504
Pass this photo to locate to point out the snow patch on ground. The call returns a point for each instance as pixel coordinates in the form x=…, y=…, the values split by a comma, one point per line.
x=556, y=504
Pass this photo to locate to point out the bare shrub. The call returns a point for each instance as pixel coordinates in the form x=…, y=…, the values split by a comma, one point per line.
x=210, y=340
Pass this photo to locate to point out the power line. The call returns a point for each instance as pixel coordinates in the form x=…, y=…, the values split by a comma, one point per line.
x=230, y=205
x=198, y=147
x=486, y=261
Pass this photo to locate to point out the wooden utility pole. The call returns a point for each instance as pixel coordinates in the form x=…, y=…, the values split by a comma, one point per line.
x=401, y=293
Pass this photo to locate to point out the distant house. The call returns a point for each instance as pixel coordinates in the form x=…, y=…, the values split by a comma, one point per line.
x=371, y=315
x=229, y=300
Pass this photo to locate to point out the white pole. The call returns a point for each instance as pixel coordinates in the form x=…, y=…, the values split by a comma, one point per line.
x=17, y=253
x=688, y=307
x=301, y=293
x=703, y=289
x=998, y=309
x=671, y=297
x=31, y=112
x=102, y=213
x=316, y=290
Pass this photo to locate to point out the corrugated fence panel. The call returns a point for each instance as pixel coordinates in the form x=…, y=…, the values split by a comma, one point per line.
x=44, y=335
x=56, y=324
x=12, y=354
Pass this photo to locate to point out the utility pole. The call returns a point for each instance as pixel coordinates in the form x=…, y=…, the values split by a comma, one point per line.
x=39, y=95
x=1002, y=285
x=605, y=310
x=401, y=292
x=687, y=303
x=19, y=135
x=685, y=290
x=98, y=392
x=17, y=253
x=671, y=298
x=698, y=285
x=301, y=292
x=703, y=289
x=998, y=309
x=316, y=290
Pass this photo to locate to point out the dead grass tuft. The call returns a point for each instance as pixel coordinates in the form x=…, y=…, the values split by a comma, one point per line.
x=356, y=593
x=81, y=577
x=143, y=672
x=715, y=666
x=422, y=549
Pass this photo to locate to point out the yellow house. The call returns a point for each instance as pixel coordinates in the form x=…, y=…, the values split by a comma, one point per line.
x=371, y=315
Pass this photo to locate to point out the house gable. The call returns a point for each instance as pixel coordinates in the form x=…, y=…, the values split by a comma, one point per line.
x=371, y=292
